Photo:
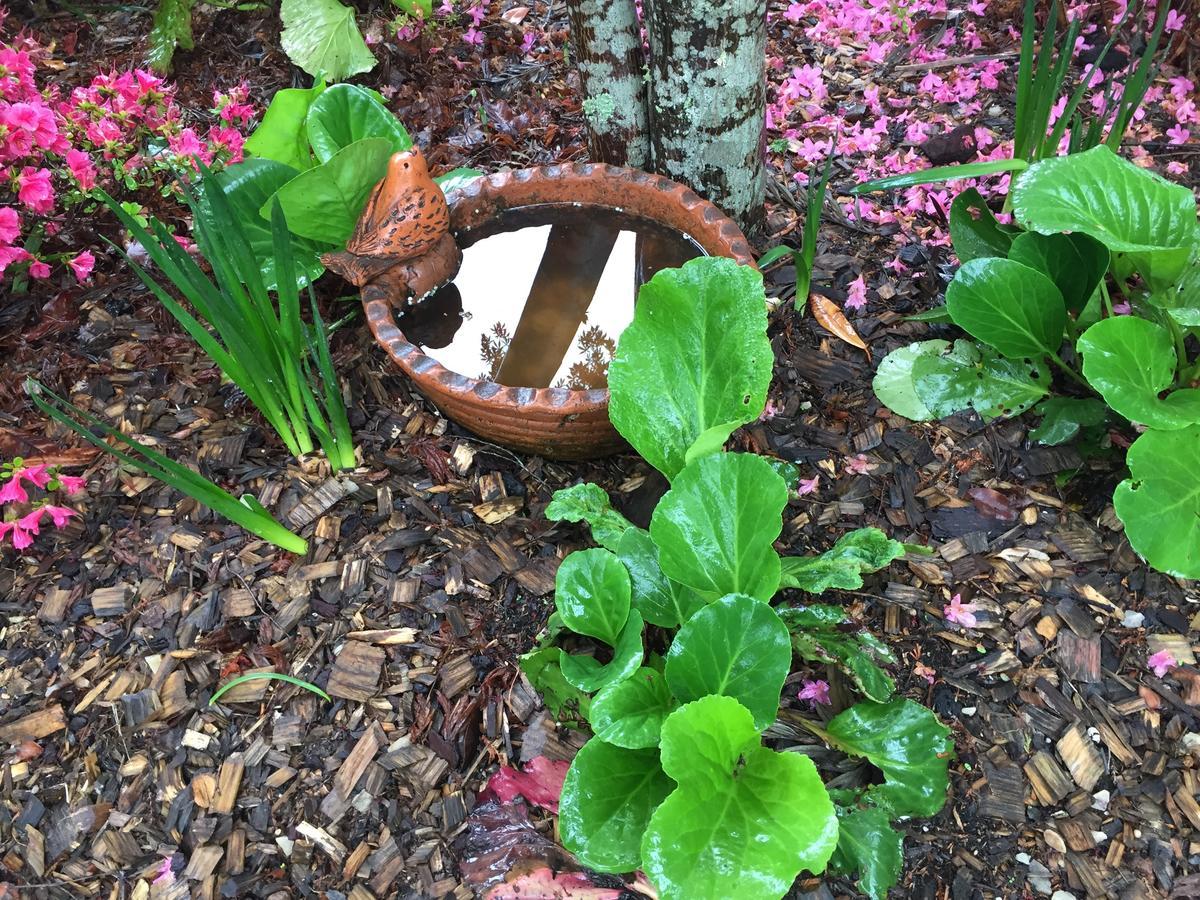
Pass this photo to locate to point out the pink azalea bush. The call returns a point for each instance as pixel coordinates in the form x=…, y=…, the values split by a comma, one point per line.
x=122, y=132
x=25, y=503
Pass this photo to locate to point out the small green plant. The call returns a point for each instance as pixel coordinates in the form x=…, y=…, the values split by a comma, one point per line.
x=803, y=256
x=666, y=643
x=1093, y=227
x=247, y=511
x=281, y=363
x=318, y=153
x=1041, y=77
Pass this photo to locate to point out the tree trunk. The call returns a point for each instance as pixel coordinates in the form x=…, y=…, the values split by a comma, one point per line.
x=606, y=40
x=708, y=100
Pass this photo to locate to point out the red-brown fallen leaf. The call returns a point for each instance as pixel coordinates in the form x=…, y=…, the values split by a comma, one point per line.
x=27, y=750
x=544, y=884
x=541, y=782
x=834, y=321
x=993, y=504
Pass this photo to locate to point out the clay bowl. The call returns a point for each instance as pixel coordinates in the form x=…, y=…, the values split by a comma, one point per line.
x=557, y=423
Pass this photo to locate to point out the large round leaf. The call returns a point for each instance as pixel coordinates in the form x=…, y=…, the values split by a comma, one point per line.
x=907, y=742
x=607, y=798
x=893, y=382
x=744, y=820
x=1125, y=207
x=1160, y=501
x=1074, y=262
x=630, y=713
x=694, y=361
x=660, y=600
x=589, y=674
x=282, y=136
x=978, y=378
x=346, y=113
x=736, y=647
x=249, y=186
x=322, y=38
x=1009, y=306
x=715, y=527
x=1130, y=361
x=323, y=204
x=591, y=594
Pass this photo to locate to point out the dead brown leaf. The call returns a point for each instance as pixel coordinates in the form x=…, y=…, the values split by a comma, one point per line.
x=834, y=321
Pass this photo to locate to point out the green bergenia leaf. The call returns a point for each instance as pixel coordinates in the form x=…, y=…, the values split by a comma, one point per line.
x=172, y=28
x=975, y=231
x=630, y=713
x=660, y=600
x=1074, y=262
x=456, y=178
x=283, y=135
x=826, y=634
x=1160, y=501
x=567, y=703
x=842, y=565
x=322, y=38
x=870, y=847
x=589, y=503
x=607, y=799
x=346, y=113
x=695, y=361
x=1125, y=207
x=907, y=742
x=744, y=821
x=893, y=382
x=970, y=376
x=736, y=647
x=1062, y=417
x=588, y=674
x=1130, y=361
x=1009, y=306
x=591, y=594
x=715, y=527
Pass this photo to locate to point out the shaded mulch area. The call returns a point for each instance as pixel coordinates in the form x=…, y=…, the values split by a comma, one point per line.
x=432, y=568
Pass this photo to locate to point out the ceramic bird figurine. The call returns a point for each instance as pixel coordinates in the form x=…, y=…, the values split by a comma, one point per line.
x=402, y=248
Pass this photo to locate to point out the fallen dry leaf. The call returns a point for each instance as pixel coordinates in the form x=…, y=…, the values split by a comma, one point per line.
x=515, y=15
x=832, y=319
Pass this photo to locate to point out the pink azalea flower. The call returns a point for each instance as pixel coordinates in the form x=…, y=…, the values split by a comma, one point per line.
x=10, y=255
x=35, y=475
x=39, y=269
x=794, y=13
x=859, y=465
x=857, y=297
x=165, y=876
x=1175, y=20
x=10, y=224
x=82, y=168
x=72, y=484
x=5, y=528
x=1122, y=308
x=1161, y=662
x=82, y=265
x=32, y=520
x=808, y=486
x=59, y=514
x=960, y=613
x=1178, y=134
x=815, y=692
x=35, y=191
x=20, y=537
x=1175, y=167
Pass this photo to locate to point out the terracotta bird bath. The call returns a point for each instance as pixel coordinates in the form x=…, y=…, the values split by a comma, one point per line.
x=407, y=244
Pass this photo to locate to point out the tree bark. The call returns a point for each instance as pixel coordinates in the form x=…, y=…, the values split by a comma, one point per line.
x=707, y=104
x=607, y=43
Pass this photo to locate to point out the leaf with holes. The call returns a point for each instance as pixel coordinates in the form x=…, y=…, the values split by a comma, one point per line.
x=842, y=565
x=826, y=634
x=1062, y=418
x=868, y=846
x=969, y=376
x=589, y=503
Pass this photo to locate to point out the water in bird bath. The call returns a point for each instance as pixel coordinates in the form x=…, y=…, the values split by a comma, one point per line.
x=543, y=294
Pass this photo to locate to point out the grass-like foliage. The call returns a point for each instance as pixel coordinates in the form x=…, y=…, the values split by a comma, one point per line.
x=262, y=344
x=247, y=511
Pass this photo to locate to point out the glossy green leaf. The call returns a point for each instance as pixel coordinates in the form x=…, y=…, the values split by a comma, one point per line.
x=1074, y=262
x=736, y=647
x=171, y=28
x=589, y=674
x=630, y=713
x=607, y=800
x=893, y=381
x=456, y=178
x=826, y=634
x=1160, y=501
x=842, y=565
x=744, y=821
x=1009, y=306
x=587, y=502
x=420, y=8
x=974, y=230
x=1130, y=361
x=907, y=743
x=591, y=594
x=249, y=186
x=346, y=113
x=283, y=134
x=715, y=527
x=973, y=377
x=1181, y=299
x=322, y=38
x=1127, y=208
x=660, y=600
x=567, y=703
x=940, y=174
x=695, y=356
x=1062, y=417
x=868, y=846
x=324, y=203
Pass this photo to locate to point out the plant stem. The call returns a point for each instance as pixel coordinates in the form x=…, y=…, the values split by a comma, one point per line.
x=1180, y=349
x=1108, y=305
x=1054, y=358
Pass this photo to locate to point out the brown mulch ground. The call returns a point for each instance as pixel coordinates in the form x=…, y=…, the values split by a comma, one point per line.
x=432, y=568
